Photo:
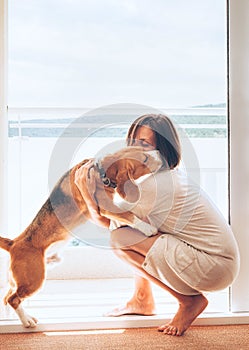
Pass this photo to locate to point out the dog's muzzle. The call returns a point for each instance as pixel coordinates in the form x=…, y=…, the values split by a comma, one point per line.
x=106, y=180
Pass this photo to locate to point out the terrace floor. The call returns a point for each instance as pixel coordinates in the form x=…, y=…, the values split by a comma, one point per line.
x=81, y=304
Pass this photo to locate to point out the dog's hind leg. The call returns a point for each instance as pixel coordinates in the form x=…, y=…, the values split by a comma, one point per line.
x=27, y=320
x=28, y=273
x=15, y=301
x=11, y=289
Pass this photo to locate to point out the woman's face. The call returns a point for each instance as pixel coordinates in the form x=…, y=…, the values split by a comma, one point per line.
x=145, y=137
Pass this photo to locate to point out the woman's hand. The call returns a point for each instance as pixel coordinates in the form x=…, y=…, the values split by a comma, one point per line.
x=86, y=182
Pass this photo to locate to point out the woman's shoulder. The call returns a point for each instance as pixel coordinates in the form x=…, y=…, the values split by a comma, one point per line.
x=164, y=177
x=165, y=172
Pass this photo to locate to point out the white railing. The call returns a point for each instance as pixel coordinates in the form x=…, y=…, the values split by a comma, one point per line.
x=29, y=156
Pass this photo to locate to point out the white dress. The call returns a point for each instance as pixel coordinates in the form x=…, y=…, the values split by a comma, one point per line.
x=198, y=251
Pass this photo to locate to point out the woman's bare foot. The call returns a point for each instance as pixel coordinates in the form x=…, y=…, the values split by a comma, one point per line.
x=132, y=308
x=140, y=304
x=188, y=311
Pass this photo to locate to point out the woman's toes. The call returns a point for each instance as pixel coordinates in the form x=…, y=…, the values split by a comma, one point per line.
x=161, y=329
x=171, y=330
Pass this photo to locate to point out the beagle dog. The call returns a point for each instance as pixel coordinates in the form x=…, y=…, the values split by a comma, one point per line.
x=64, y=210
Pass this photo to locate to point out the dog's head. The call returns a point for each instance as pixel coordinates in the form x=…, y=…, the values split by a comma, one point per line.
x=121, y=169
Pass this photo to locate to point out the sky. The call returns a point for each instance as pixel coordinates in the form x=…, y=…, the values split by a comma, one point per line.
x=92, y=53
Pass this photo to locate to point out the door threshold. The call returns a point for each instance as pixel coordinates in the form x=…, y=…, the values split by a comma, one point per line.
x=133, y=321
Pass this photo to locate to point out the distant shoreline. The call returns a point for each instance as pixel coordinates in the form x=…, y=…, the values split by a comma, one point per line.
x=197, y=126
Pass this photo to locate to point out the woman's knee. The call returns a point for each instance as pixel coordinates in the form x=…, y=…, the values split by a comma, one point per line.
x=116, y=243
x=117, y=239
x=125, y=238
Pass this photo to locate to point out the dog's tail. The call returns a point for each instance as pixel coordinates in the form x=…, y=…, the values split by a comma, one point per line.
x=5, y=243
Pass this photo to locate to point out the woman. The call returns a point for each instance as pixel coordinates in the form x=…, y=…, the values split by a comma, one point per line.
x=194, y=251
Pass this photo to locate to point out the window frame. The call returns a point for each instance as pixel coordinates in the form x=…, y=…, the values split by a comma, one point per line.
x=3, y=132
x=238, y=106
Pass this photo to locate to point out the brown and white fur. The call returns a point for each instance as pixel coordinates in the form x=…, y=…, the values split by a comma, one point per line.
x=64, y=210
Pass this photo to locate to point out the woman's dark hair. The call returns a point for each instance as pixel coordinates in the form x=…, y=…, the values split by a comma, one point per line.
x=167, y=139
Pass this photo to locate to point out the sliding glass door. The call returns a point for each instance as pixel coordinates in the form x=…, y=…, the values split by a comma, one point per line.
x=68, y=61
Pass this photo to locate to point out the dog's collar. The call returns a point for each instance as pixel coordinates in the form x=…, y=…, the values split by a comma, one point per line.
x=106, y=180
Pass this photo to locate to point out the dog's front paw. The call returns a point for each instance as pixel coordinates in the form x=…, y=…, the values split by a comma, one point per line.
x=53, y=259
x=144, y=227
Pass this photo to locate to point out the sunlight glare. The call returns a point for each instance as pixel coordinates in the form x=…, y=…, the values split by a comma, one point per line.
x=86, y=332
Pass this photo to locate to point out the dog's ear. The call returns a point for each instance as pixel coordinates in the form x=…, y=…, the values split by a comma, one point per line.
x=126, y=186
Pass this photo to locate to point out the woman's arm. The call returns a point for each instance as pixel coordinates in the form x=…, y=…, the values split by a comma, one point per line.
x=85, y=181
